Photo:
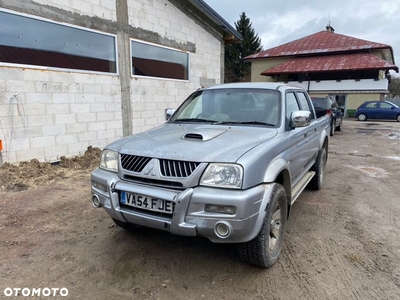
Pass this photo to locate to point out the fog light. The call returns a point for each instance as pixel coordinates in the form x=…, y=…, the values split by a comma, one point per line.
x=223, y=229
x=230, y=210
x=96, y=201
x=99, y=186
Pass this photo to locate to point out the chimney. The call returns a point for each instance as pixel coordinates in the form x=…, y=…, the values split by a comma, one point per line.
x=329, y=28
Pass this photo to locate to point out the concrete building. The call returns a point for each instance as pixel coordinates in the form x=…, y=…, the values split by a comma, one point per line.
x=327, y=63
x=77, y=73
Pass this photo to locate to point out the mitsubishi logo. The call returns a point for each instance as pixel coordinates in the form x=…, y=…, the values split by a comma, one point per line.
x=149, y=169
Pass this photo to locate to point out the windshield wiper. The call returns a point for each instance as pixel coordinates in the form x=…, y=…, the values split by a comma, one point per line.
x=193, y=120
x=245, y=123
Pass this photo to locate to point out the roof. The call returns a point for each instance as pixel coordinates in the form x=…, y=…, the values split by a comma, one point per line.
x=338, y=62
x=217, y=19
x=250, y=85
x=318, y=43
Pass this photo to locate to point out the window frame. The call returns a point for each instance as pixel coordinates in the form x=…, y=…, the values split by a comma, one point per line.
x=159, y=46
x=39, y=67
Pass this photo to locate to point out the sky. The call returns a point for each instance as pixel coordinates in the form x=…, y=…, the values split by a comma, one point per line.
x=280, y=21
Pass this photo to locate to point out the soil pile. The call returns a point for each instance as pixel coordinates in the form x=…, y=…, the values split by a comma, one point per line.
x=35, y=173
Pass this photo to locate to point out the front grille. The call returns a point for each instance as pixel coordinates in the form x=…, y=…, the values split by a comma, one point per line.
x=171, y=184
x=134, y=163
x=175, y=168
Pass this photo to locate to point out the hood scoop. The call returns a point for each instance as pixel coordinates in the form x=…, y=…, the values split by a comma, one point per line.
x=203, y=134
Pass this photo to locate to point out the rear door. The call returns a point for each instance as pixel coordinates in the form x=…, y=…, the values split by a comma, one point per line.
x=372, y=110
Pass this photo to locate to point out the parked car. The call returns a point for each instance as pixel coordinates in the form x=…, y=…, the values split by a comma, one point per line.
x=329, y=106
x=224, y=166
x=384, y=110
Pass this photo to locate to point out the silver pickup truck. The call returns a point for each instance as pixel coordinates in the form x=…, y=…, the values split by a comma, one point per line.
x=227, y=165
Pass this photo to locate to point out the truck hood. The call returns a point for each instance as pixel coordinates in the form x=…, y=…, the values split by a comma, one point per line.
x=194, y=142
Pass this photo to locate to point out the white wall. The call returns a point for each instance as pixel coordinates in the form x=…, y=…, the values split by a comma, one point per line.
x=104, y=9
x=151, y=96
x=344, y=85
x=47, y=114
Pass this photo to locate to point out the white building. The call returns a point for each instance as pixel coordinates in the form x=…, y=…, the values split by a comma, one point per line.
x=79, y=73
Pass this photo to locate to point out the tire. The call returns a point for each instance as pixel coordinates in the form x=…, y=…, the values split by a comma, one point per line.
x=265, y=248
x=319, y=168
x=125, y=225
x=362, y=117
x=332, y=132
x=339, y=127
x=398, y=118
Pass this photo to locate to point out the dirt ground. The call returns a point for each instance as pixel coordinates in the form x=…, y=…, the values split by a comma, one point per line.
x=342, y=242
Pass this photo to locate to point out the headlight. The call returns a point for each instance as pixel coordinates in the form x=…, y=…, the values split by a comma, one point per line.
x=109, y=160
x=228, y=176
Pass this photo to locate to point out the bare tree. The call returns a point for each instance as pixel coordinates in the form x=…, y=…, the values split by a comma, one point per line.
x=394, y=87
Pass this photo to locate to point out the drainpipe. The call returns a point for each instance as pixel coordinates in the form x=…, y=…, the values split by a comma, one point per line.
x=308, y=85
x=1, y=153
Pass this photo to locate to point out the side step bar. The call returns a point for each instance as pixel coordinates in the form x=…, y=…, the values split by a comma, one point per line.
x=300, y=186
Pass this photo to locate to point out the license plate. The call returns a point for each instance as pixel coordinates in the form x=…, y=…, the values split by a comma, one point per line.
x=146, y=202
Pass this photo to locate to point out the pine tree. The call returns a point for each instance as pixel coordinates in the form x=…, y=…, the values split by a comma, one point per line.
x=235, y=68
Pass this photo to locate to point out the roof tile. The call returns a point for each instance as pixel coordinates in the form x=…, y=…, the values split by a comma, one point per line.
x=320, y=42
x=343, y=62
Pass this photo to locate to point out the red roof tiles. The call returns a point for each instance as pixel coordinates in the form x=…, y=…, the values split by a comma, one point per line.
x=343, y=62
x=322, y=42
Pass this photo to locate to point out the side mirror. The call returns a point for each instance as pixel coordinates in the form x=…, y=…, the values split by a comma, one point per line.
x=300, y=118
x=168, y=113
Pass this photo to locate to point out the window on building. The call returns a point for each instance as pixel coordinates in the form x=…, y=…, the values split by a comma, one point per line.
x=155, y=61
x=31, y=41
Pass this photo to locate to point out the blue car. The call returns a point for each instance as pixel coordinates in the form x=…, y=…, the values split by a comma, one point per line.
x=384, y=110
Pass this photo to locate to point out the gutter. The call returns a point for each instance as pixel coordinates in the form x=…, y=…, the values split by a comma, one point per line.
x=232, y=35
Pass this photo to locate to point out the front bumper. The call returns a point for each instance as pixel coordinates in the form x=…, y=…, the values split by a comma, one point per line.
x=189, y=217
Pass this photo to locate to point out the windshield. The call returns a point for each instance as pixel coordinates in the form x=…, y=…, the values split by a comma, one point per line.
x=231, y=106
x=395, y=105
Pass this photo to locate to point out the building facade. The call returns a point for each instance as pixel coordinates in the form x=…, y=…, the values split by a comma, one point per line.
x=327, y=63
x=75, y=73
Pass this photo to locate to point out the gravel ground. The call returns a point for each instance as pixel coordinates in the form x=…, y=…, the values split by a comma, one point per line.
x=342, y=242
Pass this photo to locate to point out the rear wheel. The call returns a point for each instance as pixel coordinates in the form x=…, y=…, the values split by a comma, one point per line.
x=265, y=248
x=332, y=133
x=362, y=117
x=319, y=169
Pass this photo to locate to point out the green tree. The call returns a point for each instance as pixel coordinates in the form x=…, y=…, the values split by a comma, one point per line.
x=236, y=69
x=394, y=87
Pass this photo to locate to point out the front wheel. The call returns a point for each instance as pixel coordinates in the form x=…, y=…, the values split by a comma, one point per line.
x=362, y=117
x=339, y=127
x=319, y=169
x=332, y=133
x=398, y=118
x=265, y=248
x=127, y=226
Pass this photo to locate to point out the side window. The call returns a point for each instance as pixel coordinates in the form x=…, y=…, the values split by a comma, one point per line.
x=291, y=106
x=385, y=105
x=303, y=101
x=371, y=105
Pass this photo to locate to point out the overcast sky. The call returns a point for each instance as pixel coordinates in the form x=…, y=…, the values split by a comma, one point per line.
x=280, y=21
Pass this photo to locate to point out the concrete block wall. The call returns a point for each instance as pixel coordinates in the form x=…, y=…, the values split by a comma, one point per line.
x=104, y=9
x=150, y=96
x=48, y=114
